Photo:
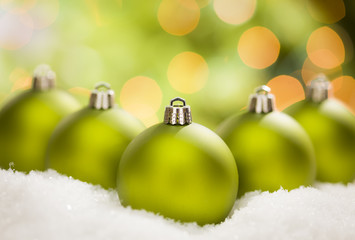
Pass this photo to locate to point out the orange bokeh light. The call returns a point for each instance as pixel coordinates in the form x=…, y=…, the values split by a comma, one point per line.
x=21, y=79
x=142, y=97
x=178, y=17
x=234, y=11
x=310, y=71
x=344, y=90
x=258, y=47
x=188, y=72
x=326, y=11
x=287, y=91
x=325, y=48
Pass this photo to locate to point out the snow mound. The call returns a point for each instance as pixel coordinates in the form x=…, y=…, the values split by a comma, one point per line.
x=47, y=205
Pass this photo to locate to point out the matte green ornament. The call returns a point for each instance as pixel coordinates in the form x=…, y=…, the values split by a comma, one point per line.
x=271, y=149
x=179, y=169
x=331, y=128
x=27, y=121
x=88, y=145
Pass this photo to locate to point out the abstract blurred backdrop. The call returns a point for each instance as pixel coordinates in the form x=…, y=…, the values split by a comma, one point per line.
x=213, y=53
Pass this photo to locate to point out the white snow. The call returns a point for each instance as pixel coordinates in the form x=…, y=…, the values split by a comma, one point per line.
x=47, y=205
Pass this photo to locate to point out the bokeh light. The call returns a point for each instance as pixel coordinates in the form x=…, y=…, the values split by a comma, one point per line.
x=325, y=48
x=44, y=13
x=203, y=3
x=178, y=17
x=258, y=47
x=80, y=91
x=287, y=90
x=344, y=90
x=326, y=11
x=234, y=11
x=17, y=6
x=21, y=79
x=142, y=97
x=15, y=30
x=310, y=71
x=188, y=72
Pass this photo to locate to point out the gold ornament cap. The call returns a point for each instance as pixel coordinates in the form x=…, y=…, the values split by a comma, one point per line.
x=177, y=114
x=102, y=97
x=43, y=78
x=317, y=91
x=262, y=101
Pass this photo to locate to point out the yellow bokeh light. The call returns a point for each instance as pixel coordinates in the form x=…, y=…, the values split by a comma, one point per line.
x=258, y=47
x=15, y=30
x=21, y=79
x=287, y=90
x=142, y=97
x=188, y=72
x=80, y=91
x=234, y=11
x=326, y=11
x=325, y=48
x=17, y=6
x=44, y=13
x=203, y=3
x=344, y=90
x=178, y=17
x=310, y=71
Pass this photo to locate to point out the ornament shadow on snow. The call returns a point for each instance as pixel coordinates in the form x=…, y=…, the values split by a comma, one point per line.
x=270, y=148
x=27, y=121
x=88, y=144
x=331, y=127
x=179, y=169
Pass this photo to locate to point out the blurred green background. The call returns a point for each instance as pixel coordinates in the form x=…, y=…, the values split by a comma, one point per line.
x=212, y=53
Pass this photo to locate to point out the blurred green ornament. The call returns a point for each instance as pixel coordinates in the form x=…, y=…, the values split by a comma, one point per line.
x=271, y=149
x=331, y=128
x=179, y=169
x=88, y=144
x=27, y=121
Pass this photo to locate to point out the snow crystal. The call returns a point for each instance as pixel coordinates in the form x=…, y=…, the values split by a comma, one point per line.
x=47, y=205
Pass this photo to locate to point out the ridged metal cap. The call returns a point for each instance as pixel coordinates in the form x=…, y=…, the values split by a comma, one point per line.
x=317, y=91
x=43, y=78
x=102, y=97
x=262, y=101
x=177, y=114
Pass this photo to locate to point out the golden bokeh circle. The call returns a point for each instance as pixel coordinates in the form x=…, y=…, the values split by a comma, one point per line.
x=258, y=47
x=234, y=11
x=188, y=72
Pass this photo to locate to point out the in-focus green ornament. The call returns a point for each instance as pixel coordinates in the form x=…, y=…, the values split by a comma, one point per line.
x=271, y=149
x=179, y=169
x=88, y=144
x=27, y=121
x=331, y=128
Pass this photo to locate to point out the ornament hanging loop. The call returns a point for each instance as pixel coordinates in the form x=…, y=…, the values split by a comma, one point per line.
x=262, y=101
x=102, y=99
x=177, y=114
x=177, y=99
x=43, y=78
x=317, y=91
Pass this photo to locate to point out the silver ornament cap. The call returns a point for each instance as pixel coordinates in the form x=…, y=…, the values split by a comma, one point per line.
x=177, y=114
x=317, y=91
x=102, y=97
x=262, y=101
x=43, y=78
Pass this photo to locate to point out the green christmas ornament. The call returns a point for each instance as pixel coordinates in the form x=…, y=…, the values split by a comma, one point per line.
x=331, y=128
x=179, y=169
x=271, y=149
x=27, y=121
x=88, y=144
